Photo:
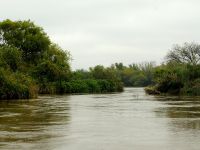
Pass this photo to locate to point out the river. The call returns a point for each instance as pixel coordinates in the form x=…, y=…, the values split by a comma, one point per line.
x=130, y=120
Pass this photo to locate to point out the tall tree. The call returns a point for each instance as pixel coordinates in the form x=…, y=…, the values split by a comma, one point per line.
x=187, y=53
x=26, y=36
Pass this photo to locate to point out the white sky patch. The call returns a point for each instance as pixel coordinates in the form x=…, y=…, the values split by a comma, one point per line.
x=109, y=31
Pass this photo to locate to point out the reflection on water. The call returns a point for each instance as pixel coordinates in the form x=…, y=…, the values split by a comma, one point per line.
x=118, y=121
x=24, y=123
x=183, y=111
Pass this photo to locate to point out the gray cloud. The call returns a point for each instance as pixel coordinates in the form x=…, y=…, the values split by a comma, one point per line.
x=109, y=31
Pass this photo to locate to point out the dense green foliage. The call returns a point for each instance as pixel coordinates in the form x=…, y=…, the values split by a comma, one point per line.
x=30, y=64
x=98, y=79
x=16, y=85
x=135, y=75
x=91, y=86
x=29, y=61
x=10, y=57
x=180, y=74
x=26, y=36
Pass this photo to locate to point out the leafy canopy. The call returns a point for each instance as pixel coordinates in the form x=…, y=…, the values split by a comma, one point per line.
x=26, y=36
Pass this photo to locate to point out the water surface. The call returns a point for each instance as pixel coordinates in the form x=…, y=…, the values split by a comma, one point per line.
x=121, y=121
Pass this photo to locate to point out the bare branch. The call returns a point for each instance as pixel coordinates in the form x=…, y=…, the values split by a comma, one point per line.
x=187, y=53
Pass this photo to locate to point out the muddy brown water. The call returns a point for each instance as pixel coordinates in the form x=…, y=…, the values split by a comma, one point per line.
x=130, y=120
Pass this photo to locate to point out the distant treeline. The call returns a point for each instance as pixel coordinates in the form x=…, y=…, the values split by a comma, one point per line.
x=134, y=75
x=180, y=72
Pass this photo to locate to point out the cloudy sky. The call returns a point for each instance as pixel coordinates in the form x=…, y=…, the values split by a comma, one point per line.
x=109, y=31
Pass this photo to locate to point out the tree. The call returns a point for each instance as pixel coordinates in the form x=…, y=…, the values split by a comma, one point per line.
x=10, y=57
x=58, y=56
x=134, y=66
x=119, y=66
x=81, y=74
x=54, y=66
x=100, y=72
x=147, y=69
x=188, y=53
x=26, y=36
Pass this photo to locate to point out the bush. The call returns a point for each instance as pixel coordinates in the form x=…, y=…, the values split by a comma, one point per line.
x=81, y=86
x=16, y=86
x=192, y=88
x=47, y=88
x=93, y=86
x=110, y=86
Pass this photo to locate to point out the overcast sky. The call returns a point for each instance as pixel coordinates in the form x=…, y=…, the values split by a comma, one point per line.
x=109, y=31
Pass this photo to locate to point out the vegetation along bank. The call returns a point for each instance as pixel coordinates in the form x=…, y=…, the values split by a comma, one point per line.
x=180, y=73
x=31, y=64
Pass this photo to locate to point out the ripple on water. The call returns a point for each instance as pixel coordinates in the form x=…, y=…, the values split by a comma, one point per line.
x=114, y=121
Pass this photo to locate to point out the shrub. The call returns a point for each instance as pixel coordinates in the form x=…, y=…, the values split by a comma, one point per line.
x=16, y=86
x=79, y=86
x=192, y=88
x=93, y=86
